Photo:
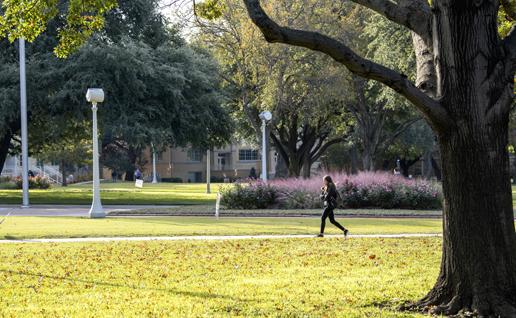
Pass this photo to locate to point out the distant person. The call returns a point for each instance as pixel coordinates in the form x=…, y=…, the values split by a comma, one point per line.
x=329, y=198
x=114, y=176
x=252, y=174
x=138, y=174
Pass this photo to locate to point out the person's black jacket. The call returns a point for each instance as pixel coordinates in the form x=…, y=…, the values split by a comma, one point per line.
x=329, y=196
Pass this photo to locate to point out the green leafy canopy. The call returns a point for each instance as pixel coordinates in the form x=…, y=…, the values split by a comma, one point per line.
x=29, y=18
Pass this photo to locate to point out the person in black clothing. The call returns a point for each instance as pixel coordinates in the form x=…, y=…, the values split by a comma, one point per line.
x=329, y=198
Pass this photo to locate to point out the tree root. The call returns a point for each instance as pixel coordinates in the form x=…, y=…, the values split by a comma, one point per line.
x=460, y=306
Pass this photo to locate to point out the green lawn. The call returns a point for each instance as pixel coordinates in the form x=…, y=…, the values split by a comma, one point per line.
x=122, y=193
x=53, y=227
x=249, y=278
x=209, y=210
x=118, y=193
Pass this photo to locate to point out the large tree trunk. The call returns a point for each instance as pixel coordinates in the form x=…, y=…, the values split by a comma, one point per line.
x=5, y=142
x=294, y=167
x=367, y=160
x=436, y=169
x=478, y=269
x=354, y=160
x=307, y=167
x=62, y=166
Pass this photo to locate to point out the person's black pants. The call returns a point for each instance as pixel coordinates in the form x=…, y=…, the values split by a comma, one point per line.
x=328, y=213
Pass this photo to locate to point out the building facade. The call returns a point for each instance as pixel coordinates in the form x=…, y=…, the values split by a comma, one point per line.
x=233, y=162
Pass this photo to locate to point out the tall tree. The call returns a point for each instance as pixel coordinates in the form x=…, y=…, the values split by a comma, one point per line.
x=73, y=22
x=297, y=86
x=464, y=89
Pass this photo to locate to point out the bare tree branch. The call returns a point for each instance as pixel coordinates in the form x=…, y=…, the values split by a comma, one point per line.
x=274, y=33
x=413, y=14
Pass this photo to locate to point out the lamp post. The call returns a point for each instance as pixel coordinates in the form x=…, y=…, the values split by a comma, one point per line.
x=95, y=96
x=24, y=133
x=265, y=116
x=154, y=176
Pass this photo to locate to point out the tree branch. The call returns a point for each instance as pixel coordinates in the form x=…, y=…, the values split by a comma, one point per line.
x=510, y=9
x=412, y=14
x=327, y=145
x=283, y=153
x=274, y=33
x=399, y=130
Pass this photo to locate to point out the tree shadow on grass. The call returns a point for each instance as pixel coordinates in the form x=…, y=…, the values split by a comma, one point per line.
x=10, y=237
x=203, y=295
x=392, y=305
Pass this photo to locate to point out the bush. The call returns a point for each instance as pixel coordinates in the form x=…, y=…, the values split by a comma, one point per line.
x=255, y=195
x=364, y=190
x=34, y=183
x=381, y=190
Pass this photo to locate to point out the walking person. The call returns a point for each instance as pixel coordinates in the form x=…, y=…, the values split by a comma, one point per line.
x=138, y=174
x=329, y=198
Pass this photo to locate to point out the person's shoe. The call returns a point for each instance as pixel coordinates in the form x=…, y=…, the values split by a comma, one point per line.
x=346, y=233
x=320, y=235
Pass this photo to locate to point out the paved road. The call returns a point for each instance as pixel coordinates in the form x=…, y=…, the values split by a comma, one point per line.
x=207, y=238
x=67, y=210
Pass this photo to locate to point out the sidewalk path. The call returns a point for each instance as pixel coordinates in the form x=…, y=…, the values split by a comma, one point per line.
x=69, y=210
x=207, y=238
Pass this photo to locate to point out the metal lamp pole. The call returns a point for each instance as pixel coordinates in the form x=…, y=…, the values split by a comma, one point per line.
x=265, y=117
x=24, y=133
x=95, y=96
x=154, y=175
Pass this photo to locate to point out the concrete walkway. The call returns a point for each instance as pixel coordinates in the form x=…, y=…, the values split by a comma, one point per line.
x=69, y=210
x=207, y=238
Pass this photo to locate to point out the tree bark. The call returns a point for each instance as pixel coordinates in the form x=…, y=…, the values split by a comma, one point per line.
x=5, y=142
x=478, y=268
x=63, y=173
x=436, y=168
x=406, y=164
x=307, y=167
x=367, y=160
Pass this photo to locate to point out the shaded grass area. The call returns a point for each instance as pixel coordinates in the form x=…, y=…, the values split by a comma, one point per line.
x=209, y=210
x=123, y=193
x=55, y=227
x=250, y=278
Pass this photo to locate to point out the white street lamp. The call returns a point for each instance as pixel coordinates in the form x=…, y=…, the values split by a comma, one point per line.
x=24, y=133
x=154, y=175
x=94, y=96
x=265, y=116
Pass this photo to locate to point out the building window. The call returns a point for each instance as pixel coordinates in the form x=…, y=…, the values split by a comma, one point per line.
x=194, y=155
x=247, y=155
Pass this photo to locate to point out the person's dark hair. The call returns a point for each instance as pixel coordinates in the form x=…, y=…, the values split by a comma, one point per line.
x=330, y=183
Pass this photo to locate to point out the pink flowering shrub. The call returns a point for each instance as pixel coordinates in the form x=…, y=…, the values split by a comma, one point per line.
x=363, y=190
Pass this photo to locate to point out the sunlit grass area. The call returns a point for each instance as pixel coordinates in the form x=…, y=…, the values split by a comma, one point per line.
x=54, y=227
x=249, y=278
x=118, y=194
